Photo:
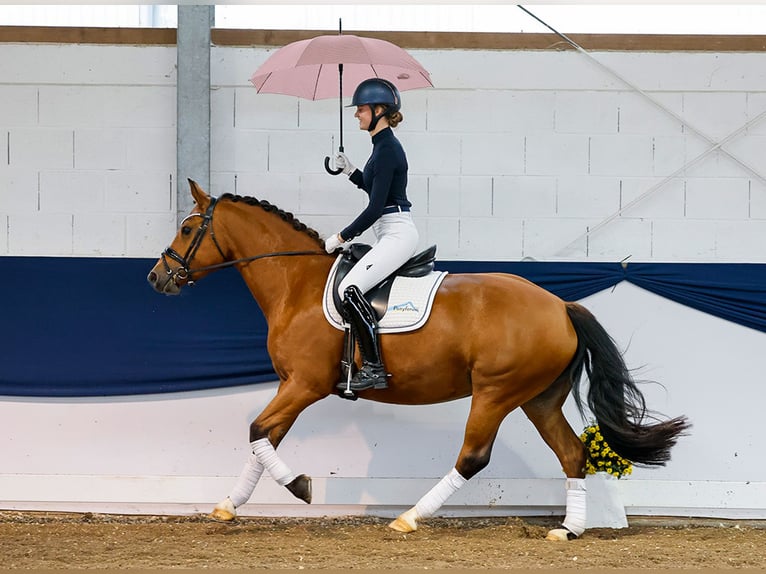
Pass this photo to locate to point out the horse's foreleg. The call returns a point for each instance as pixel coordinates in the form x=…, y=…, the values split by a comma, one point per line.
x=226, y=510
x=265, y=434
x=545, y=413
x=481, y=430
x=267, y=455
x=300, y=485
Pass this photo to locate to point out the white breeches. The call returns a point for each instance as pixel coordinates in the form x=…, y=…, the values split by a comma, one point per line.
x=397, y=239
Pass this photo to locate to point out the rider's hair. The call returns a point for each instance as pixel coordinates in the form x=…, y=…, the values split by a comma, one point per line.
x=395, y=119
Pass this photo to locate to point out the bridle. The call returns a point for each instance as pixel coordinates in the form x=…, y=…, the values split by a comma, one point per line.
x=184, y=272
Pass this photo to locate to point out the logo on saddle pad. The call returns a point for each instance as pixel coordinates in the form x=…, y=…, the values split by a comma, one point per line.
x=401, y=303
x=408, y=306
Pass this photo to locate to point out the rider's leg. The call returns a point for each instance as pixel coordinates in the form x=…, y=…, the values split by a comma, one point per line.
x=397, y=241
x=365, y=326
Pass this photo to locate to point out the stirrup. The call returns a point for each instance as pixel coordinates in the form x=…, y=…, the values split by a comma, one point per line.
x=368, y=377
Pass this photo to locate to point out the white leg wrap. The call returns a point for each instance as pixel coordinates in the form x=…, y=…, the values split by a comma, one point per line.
x=268, y=457
x=439, y=494
x=576, y=507
x=243, y=489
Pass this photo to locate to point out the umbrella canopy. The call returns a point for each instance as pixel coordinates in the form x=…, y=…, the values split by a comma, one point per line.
x=314, y=69
x=309, y=68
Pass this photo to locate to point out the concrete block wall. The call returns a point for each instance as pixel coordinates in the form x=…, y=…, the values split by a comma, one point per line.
x=513, y=154
x=88, y=149
x=518, y=154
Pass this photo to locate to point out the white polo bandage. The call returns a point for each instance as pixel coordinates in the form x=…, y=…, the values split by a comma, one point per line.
x=269, y=458
x=576, y=506
x=438, y=495
x=245, y=485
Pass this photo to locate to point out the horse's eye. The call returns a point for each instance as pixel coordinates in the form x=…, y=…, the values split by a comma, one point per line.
x=185, y=230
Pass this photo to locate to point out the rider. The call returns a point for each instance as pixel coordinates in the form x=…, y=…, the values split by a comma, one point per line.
x=384, y=179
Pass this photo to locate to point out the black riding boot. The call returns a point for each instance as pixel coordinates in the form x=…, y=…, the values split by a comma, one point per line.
x=362, y=318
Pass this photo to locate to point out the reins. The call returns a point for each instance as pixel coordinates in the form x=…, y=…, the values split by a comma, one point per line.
x=184, y=272
x=254, y=258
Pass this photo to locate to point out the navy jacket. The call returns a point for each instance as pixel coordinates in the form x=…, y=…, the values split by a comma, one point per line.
x=384, y=179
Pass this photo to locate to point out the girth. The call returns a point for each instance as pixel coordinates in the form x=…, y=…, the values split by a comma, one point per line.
x=418, y=265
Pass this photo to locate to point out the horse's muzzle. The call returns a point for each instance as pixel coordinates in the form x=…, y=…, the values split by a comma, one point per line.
x=168, y=286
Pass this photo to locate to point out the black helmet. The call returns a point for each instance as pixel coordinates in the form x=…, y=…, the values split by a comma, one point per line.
x=377, y=91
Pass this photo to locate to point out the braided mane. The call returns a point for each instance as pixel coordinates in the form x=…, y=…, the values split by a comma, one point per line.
x=271, y=208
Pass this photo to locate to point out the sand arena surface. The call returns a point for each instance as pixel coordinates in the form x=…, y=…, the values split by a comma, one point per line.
x=73, y=541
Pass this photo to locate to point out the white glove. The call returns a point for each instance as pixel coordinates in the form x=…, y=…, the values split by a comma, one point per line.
x=332, y=242
x=343, y=163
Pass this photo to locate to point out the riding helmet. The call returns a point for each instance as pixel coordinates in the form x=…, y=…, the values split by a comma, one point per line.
x=377, y=91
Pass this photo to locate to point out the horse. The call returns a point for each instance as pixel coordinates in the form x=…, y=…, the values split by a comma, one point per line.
x=494, y=337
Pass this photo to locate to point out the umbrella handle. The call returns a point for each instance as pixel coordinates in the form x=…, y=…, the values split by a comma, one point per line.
x=330, y=170
x=327, y=167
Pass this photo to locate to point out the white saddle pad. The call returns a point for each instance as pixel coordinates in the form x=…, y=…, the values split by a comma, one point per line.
x=409, y=303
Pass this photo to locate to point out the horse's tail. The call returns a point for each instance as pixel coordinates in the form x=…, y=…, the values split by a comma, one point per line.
x=615, y=399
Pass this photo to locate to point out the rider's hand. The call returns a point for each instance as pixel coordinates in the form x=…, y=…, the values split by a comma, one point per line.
x=343, y=163
x=332, y=242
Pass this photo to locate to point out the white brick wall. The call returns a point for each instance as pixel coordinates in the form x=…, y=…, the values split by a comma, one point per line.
x=42, y=148
x=513, y=154
x=756, y=105
x=639, y=114
x=525, y=196
x=88, y=144
x=586, y=112
x=19, y=106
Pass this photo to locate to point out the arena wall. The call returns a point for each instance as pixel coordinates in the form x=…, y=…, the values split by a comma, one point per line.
x=515, y=153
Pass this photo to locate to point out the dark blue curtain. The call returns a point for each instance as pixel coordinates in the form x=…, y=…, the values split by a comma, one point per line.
x=733, y=291
x=93, y=327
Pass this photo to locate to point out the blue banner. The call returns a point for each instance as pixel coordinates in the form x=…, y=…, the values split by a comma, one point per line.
x=84, y=327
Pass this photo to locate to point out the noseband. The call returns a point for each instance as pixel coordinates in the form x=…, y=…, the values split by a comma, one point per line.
x=184, y=272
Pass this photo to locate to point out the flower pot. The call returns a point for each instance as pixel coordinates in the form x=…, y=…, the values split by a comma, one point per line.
x=604, y=503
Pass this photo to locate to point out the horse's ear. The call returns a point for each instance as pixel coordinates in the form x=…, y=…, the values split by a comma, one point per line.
x=199, y=195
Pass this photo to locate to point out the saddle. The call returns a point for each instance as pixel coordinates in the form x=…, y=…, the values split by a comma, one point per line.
x=418, y=265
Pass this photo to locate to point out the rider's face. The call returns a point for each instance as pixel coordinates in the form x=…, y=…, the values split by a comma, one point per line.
x=364, y=115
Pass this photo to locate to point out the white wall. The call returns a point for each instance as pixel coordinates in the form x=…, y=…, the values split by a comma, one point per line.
x=181, y=453
x=88, y=150
x=513, y=154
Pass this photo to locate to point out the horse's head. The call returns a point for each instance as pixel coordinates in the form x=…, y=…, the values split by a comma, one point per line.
x=194, y=247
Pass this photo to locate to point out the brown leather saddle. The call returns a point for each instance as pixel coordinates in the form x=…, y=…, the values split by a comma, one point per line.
x=418, y=265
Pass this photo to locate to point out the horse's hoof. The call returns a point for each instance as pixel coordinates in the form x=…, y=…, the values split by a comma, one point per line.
x=560, y=535
x=406, y=522
x=301, y=488
x=224, y=512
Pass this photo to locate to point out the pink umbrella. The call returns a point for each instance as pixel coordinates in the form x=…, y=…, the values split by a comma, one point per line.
x=313, y=69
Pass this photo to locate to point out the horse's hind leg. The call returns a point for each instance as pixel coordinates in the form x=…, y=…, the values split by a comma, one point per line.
x=481, y=429
x=545, y=413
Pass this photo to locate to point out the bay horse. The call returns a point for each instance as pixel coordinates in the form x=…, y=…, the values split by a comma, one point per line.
x=497, y=338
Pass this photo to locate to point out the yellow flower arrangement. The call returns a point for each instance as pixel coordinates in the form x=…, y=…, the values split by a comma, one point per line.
x=601, y=458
